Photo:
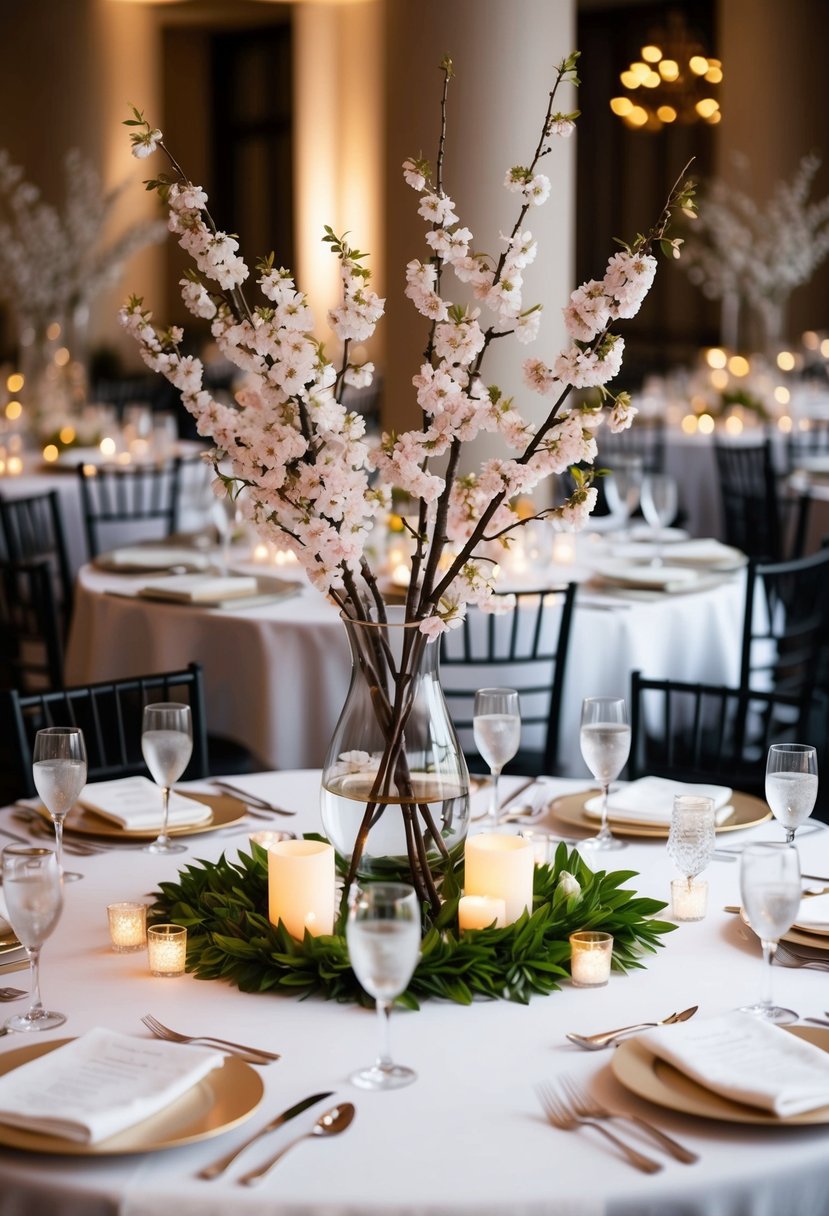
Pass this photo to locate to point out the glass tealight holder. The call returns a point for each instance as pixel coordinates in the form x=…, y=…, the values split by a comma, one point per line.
x=543, y=844
x=167, y=949
x=591, y=953
x=127, y=927
x=689, y=898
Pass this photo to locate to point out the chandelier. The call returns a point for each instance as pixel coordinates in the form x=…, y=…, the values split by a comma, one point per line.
x=673, y=81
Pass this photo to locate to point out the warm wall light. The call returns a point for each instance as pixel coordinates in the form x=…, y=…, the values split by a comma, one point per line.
x=672, y=81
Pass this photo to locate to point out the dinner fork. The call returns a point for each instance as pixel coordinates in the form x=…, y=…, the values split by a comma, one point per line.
x=11, y=994
x=250, y=800
x=588, y=1107
x=561, y=1115
x=787, y=956
x=253, y=1055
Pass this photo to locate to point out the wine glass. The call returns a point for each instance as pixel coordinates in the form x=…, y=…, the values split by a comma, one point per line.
x=791, y=784
x=605, y=744
x=166, y=744
x=59, y=773
x=496, y=726
x=659, y=500
x=623, y=486
x=34, y=897
x=383, y=935
x=770, y=891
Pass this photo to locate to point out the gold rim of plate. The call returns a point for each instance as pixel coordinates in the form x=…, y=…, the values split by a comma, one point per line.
x=222, y=1100
x=748, y=811
x=226, y=810
x=641, y=1072
x=796, y=935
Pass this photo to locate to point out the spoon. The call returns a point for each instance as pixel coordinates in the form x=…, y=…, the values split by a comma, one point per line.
x=331, y=1123
x=595, y=1042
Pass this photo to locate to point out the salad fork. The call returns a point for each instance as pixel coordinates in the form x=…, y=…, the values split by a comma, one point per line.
x=586, y=1106
x=253, y=1055
x=561, y=1115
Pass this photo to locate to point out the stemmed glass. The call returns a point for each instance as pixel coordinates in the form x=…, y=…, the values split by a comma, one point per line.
x=770, y=891
x=791, y=784
x=34, y=898
x=166, y=744
x=605, y=744
x=623, y=487
x=59, y=773
x=496, y=726
x=383, y=935
x=659, y=501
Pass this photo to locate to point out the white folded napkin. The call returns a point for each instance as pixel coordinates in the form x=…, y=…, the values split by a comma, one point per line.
x=747, y=1060
x=201, y=588
x=704, y=550
x=651, y=800
x=639, y=574
x=100, y=1083
x=813, y=914
x=150, y=557
x=135, y=804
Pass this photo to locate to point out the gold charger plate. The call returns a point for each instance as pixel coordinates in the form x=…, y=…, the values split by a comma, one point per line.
x=83, y=822
x=747, y=812
x=224, y=1098
x=795, y=935
x=644, y=1074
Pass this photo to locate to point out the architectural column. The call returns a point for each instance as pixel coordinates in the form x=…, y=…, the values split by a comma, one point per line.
x=504, y=56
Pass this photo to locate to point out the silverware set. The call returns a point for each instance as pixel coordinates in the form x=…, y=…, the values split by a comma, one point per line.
x=251, y=1055
x=258, y=807
x=330, y=1123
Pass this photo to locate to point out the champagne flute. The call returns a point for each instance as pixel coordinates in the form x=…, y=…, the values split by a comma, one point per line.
x=770, y=891
x=34, y=897
x=59, y=773
x=605, y=744
x=659, y=500
x=383, y=935
x=791, y=784
x=166, y=744
x=496, y=726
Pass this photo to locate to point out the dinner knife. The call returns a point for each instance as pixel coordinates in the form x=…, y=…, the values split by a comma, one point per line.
x=218, y=1167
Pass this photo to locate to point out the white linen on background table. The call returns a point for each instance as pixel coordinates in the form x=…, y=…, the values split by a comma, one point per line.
x=469, y=1136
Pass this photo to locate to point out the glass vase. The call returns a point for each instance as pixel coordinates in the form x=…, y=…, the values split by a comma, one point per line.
x=395, y=786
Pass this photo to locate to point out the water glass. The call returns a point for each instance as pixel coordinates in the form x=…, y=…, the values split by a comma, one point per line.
x=166, y=744
x=791, y=784
x=496, y=725
x=659, y=500
x=33, y=892
x=605, y=744
x=59, y=774
x=770, y=891
x=623, y=486
x=383, y=935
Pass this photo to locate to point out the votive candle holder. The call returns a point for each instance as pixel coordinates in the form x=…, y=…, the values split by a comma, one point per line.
x=689, y=898
x=167, y=949
x=590, y=958
x=127, y=927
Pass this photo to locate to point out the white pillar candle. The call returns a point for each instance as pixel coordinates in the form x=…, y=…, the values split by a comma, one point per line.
x=481, y=911
x=590, y=956
x=689, y=898
x=301, y=886
x=167, y=949
x=500, y=867
x=127, y=926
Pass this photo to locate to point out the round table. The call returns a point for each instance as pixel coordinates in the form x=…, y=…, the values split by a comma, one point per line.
x=276, y=675
x=468, y=1136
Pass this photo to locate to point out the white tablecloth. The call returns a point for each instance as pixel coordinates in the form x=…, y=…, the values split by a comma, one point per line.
x=468, y=1137
x=276, y=676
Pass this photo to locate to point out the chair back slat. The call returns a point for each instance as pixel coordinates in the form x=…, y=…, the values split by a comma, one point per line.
x=117, y=494
x=526, y=650
x=110, y=715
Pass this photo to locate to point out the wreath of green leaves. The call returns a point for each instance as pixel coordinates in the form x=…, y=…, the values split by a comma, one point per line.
x=224, y=905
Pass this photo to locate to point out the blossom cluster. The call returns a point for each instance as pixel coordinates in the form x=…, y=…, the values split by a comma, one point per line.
x=54, y=261
x=299, y=460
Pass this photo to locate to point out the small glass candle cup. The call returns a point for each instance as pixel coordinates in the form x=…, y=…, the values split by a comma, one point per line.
x=590, y=957
x=127, y=927
x=268, y=837
x=543, y=844
x=167, y=949
x=689, y=898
